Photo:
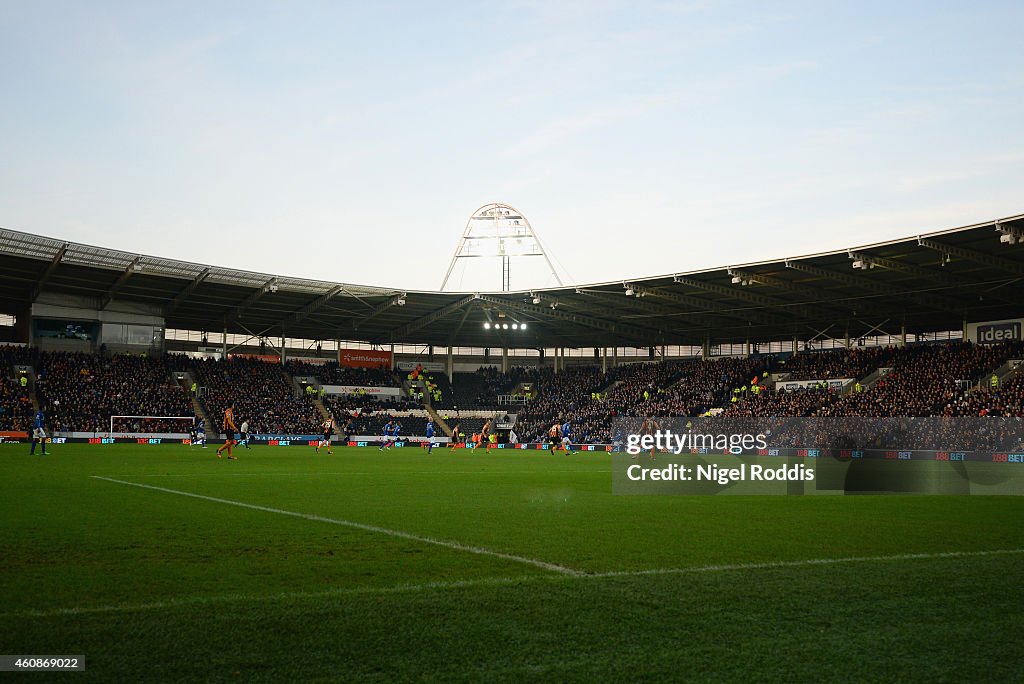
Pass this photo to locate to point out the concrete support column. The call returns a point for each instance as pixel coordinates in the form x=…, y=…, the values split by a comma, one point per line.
x=504, y=359
x=451, y=364
x=604, y=360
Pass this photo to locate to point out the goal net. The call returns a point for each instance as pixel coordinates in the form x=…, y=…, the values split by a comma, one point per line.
x=150, y=425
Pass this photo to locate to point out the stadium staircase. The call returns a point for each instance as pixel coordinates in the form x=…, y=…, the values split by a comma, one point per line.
x=868, y=381
x=1003, y=372
x=200, y=411
x=31, y=373
x=321, y=408
x=296, y=386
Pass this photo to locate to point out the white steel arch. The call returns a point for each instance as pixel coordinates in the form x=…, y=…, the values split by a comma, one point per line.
x=499, y=230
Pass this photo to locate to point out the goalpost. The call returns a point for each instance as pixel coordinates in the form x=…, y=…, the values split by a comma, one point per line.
x=178, y=425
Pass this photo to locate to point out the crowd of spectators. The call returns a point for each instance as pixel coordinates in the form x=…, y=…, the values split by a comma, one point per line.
x=1005, y=399
x=15, y=405
x=16, y=408
x=80, y=392
x=368, y=424
x=332, y=373
x=263, y=395
x=342, y=405
x=836, y=363
x=924, y=380
x=685, y=388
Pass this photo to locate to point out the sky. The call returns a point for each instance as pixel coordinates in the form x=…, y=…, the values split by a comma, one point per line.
x=351, y=141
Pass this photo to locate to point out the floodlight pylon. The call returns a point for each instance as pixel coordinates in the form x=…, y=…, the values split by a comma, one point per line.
x=499, y=230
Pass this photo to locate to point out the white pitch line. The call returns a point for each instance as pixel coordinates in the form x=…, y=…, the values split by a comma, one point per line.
x=186, y=601
x=390, y=475
x=480, y=551
x=804, y=563
x=486, y=581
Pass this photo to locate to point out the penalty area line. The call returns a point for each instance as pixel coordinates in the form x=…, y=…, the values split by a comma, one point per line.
x=340, y=593
x=192, y=601
x=807, y=562
x=456, y=546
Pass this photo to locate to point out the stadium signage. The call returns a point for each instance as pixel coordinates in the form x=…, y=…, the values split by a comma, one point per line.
x=359, y=389
x=281, y=439
x=364, y=358
x=835, y=384
x=995, y=333
x=428, y=366
x=267, y=358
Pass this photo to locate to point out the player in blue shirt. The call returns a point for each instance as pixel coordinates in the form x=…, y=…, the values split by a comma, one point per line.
x=430, y=436
x=394, y=432
x=567, y=437
x=38, y=432
x=617, y=440
x=199, y=432
x=386, y=444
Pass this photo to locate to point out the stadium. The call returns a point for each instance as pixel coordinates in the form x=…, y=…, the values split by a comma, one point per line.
x=501, y=557
x=723, y=380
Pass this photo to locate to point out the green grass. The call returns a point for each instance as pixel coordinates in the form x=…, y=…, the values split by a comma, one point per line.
x=152, y=585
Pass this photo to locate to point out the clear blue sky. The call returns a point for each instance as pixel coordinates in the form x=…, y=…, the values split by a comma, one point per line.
x=345, y=140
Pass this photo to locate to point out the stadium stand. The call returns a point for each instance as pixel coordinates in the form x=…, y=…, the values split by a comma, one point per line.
x=925, y=380
x=262, y=392
x=16, y=407
x=837, y=363
x=1004, y=400
x=82, y=391
x=331, y=373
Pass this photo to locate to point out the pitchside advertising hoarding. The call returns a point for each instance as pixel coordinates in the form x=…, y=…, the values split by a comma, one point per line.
x=820, y=456
x=994, y=332
x=364, y=358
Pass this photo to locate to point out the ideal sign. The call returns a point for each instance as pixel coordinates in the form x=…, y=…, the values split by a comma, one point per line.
x=993, y=333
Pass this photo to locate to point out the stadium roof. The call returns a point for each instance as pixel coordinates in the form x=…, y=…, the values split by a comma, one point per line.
x=929, y=282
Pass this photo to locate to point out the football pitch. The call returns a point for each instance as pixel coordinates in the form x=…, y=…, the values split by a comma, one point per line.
x=164, y=563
